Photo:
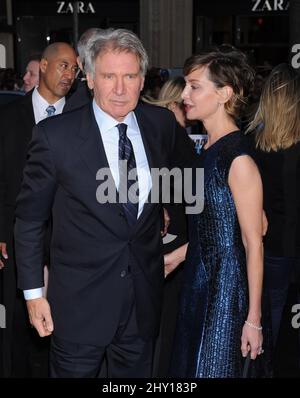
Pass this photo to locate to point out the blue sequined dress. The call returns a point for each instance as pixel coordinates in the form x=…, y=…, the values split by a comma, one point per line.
x=214, y=301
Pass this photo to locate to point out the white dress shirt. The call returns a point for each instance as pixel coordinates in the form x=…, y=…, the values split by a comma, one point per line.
x=40, y=105
x=110, y=137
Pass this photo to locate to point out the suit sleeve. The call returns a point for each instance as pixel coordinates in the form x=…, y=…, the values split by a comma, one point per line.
x=183, y=150
x=3, y=234
x=6, y=207
x=185, y=157
x=34, y=205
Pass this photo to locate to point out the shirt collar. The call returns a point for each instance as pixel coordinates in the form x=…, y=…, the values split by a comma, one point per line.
x=44, y=104
x=106, y=122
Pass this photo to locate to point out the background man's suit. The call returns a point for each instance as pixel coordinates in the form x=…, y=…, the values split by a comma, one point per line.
x=17, y=122
x=92, y=246
x=80, y=96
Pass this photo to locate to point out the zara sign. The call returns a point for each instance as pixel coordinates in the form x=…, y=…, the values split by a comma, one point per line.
x=65, y=7
x=270, y=5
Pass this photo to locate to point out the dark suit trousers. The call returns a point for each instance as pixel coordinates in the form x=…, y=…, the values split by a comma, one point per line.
x=127, y=356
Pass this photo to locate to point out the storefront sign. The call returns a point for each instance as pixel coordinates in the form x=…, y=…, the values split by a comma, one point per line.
x=270, y=5
x=65, y=7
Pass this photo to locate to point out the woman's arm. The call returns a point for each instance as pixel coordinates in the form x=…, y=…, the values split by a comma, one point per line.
x=173, y=259
x=246, y=187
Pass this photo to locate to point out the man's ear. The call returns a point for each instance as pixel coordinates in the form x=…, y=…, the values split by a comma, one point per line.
x=225, y=93
x=43, y=65
x=142, y=83
x=90, y=81
x=79, y=63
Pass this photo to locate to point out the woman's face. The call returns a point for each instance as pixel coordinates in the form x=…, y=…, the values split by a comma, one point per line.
x=200, y=95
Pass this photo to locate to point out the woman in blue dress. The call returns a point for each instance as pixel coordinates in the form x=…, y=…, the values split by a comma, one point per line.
x=219, y=319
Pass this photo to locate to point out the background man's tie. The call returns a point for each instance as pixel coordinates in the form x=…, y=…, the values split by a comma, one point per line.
x=50, y=110
x=126, y=153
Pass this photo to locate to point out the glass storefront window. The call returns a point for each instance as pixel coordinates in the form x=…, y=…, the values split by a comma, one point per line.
x=253, y=30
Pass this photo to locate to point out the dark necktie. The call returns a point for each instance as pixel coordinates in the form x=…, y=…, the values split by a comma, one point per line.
x=50, y=110
x=126, y=154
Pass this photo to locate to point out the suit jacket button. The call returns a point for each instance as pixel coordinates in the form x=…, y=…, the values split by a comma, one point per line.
x=121, y=214
x=123, y=273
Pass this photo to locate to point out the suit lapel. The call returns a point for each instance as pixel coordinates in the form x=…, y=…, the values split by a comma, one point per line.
x=151, y=153
x=91, y=146
x=147, y=130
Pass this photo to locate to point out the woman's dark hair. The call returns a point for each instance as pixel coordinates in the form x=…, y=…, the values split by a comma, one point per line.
x=226, y=66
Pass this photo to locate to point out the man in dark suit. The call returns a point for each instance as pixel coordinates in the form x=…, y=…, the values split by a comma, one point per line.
x=57, y=72
x=107, y=271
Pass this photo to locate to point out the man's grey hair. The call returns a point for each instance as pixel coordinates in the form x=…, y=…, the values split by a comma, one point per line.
x=122, y=40
x=83, y=41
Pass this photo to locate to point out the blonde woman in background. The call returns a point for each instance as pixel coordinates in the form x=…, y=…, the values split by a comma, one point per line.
x=277, y=152
x=170, y=97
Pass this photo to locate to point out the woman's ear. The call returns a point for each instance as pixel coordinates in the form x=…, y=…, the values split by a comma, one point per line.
x=225, y=93
x=171, y=106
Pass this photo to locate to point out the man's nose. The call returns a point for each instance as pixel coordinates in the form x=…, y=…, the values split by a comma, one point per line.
x=119, y=86
x=70, y=73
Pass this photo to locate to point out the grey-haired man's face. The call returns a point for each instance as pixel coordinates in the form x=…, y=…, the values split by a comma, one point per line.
x=117, y=83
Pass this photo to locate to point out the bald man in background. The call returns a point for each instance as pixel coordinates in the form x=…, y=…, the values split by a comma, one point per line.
x=23, y=354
